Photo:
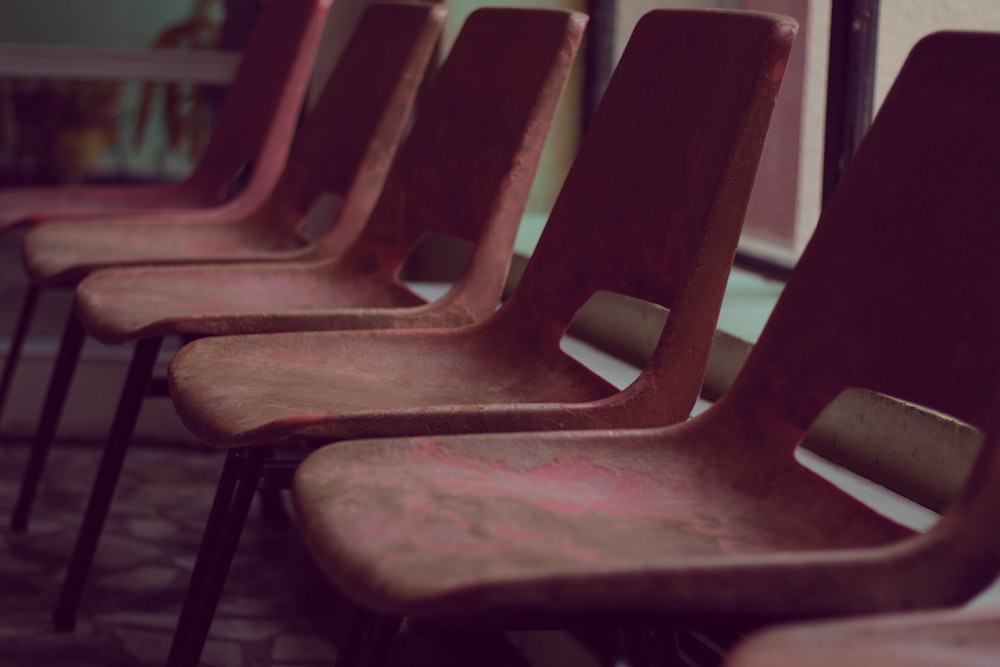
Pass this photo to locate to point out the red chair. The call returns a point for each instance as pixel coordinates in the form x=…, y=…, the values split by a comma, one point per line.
x=652, y=208
x=464, y=170
x=345, y=148
x=714, y=519
x=942, y=638
x=250, y=143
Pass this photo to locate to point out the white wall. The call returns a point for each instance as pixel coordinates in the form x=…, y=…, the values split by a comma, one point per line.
x=901, y=24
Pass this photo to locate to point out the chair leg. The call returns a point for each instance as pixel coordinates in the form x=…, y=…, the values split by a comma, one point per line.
x=272, y=508
x=55, y=399
x=349, y=654
x=217, y=518
x=370, y=640
x=634, y=648
x=17, y=343
x=234, y=495
x=644, y=648
x=384, y=634
x=129, y=405
x=667, y=647
x=486, y=646
x=275, y=480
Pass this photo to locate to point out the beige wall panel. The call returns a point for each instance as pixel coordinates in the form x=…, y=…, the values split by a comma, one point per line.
x=564, y=136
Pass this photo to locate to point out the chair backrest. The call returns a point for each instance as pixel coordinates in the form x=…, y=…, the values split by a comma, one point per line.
x=350, y=137
x=253, y=130
x=466, y=167
x=896, y=291
x=654, y=203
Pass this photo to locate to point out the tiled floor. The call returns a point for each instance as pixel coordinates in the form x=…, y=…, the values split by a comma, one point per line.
x=276, y=610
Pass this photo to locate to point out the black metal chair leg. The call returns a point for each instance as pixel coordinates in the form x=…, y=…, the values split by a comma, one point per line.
x=487, y=647
x=349, y=654
x=644, y=648
x=222, y=536
x=217, y=518
x=17, y=343
x=668, y=648
x=634, y=649
x=272, y=508
x=62, y=377
x=385, y=632
x=129, y=405
x=361, y=634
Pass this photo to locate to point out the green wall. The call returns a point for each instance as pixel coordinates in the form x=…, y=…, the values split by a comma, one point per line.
x=126, y=24
x=107, y=23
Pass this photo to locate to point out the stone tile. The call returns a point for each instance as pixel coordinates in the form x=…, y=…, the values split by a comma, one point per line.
x=25, y=623
x=44, y=521
x=246, y=629
x=129, y=611
x=51, y=546
x=120, y=551
x=185, y=562
x=164, y=601
x=300, y=648
x=49, y=649
x=154, y=528
x=143, y=577
x=249, y=607
x=29, y=570
x=219, y=653
x=15, y=582
x=139, y=620
x=145, y=646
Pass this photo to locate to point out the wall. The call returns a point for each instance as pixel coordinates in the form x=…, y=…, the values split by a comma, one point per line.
x=124, y=24
x=103, y=23
x=901, y=24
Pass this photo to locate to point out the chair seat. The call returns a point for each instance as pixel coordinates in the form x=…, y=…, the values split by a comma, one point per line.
x=116, y=306
x=949, y=638
x=20, y=207
x=58, y=253
x=558, y=522
x=245, y=390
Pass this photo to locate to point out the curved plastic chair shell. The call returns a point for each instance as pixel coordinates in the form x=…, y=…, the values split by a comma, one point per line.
x=464, y=170
x=345, y=148
x=253, y=129
x=894, y=294
x=71, y=230
x=509, y=372
x=948, y=638
x=652, y=208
